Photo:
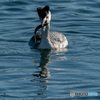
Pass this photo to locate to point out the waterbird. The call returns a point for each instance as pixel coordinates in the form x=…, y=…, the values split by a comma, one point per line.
x=46, y=39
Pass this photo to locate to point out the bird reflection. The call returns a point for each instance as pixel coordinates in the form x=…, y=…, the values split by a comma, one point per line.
x=41, y=77
x=44, y=60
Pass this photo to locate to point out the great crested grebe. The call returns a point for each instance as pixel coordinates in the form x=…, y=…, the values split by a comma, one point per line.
x=45, y=39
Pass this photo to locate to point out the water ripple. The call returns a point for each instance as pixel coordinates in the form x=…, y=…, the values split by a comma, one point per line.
x=49, y=74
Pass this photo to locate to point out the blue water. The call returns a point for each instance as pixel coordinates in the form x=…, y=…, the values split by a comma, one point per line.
x=32, y=74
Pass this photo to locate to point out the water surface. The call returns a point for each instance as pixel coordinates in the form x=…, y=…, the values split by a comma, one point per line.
x=31, y=74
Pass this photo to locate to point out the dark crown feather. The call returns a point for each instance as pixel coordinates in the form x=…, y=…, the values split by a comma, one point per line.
x=42, y=12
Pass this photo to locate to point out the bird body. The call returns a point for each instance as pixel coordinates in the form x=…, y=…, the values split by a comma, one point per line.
x=46, y=39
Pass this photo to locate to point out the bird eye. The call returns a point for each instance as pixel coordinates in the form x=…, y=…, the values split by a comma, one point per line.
x=46, y=16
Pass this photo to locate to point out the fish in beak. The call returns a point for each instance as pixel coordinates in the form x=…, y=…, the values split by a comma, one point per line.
x=44, y=18
x=43, y=15
x=38, y=27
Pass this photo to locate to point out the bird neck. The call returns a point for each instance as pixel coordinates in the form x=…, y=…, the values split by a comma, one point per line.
x=45, y=31
x=45, y=41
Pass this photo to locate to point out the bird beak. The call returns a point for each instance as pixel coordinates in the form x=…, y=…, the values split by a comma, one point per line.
x=45, y=24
